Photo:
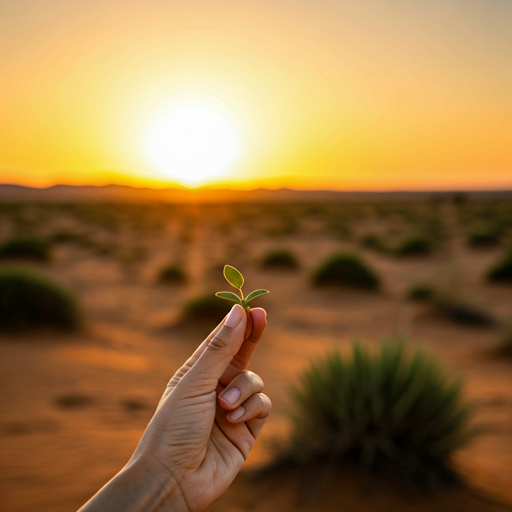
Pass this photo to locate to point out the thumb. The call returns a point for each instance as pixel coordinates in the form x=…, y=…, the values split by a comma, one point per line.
x=210, y=366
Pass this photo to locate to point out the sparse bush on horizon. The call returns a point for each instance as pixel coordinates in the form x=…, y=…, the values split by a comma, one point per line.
x=172, y=274
x=501, y=271
x=205, y=308
x=393, y=410
x=484, y=237
x=26, y=247
x=421, y=291
x=29, y=299
x=280, y=259
x=346, y=269
x=414, y=245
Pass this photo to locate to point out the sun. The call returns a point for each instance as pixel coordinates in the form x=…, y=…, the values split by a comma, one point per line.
x=193, y=144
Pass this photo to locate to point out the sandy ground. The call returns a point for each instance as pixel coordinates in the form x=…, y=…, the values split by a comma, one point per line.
x=75, y=405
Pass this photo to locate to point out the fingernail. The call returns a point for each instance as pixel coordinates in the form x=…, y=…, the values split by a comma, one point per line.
x=235, y=316
x=237, y=413
x=231, y=395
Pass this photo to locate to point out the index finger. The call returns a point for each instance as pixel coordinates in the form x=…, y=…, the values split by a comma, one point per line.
x=243, y=357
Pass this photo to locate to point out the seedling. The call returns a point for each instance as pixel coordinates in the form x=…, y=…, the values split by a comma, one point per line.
x=236, y=280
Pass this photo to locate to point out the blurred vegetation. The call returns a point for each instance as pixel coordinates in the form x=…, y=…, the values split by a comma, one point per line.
x=414, y=245
x=501, y=271
x=346, y=269
x=421, y=292
x=205, y=308
x=280, y=259
x=30, y=299
x=172, y=274
x=27, y=247
x=393, y=410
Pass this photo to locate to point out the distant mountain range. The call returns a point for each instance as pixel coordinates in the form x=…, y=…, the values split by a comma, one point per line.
x=120, y=193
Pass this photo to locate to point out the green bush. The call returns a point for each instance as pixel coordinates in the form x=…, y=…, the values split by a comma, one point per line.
x=502, y=270
x=206, y=308
x=32, y=248
x=505, y=342
x=30, y=299
x=373, y=241
x=172, y=274
x=393, y=410
x=421, y=291
x=348, y=270
x=281, y=259
x=461, y=311
x=484, y=237
x=413, y=246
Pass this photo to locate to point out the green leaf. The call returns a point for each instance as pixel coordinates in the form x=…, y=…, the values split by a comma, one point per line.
x=233, y=277
x=254, y=294
x=229, y=296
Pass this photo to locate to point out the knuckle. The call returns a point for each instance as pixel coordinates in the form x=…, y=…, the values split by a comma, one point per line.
x=265, y=402
x=220, y=342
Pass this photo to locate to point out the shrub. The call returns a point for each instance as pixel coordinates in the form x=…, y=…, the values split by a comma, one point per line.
x=69, y=237
x=346, y=269
x=484, y=237
x=391, y=410
x=32, y=248
x=172, y=274
x=421, y=291
x=280, y=260
x=505, y=342
x=29, y=299
x=413, y=246
x=461, y=311
x=205, y=308
x=373, y=241
x=502, y=270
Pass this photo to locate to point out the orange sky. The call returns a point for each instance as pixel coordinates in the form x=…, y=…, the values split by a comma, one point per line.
x=361, y=94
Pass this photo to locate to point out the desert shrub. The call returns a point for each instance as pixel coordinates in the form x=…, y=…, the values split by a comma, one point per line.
x=206, y=308
x=421, y=291
x=461, y=311
x=346, y=269
x=172, y=274
x=484, y=237
x=415, y=245
x=393, y=410
x=502, y=269
x=30, y=299
x=505, y=342
x=373, y=241
x=29, y=247
x=280, y=259
x=69, y=237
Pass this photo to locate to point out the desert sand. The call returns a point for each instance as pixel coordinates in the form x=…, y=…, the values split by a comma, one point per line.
x=74, y=405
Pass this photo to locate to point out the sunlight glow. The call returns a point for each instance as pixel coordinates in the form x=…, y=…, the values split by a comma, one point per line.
x=193, y=144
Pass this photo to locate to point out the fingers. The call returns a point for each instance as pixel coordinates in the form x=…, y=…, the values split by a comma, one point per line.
x=242, y=387
x=241, y=360
x=213, y=361
x=254, y=412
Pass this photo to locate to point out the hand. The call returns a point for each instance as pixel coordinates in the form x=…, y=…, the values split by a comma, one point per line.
x=203, y=429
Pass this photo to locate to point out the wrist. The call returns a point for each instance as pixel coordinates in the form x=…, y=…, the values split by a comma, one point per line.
x=140, y=486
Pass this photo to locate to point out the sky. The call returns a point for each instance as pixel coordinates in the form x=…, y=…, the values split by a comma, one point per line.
x=323, y=94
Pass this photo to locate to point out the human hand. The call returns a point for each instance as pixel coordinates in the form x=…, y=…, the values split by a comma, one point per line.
x=203, y=429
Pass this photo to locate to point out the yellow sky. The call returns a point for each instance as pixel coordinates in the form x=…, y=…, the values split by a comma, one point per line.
x=366, y=94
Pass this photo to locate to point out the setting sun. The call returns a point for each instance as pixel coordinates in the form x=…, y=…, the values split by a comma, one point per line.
x=192, y=144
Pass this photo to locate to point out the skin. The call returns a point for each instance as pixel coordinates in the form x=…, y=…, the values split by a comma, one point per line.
x=202, y=431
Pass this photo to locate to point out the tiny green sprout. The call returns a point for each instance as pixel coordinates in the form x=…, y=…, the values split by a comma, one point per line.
x=236, y=280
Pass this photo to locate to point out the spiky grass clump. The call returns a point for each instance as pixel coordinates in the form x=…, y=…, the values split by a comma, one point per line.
x=502, y=270
x=346, y=270
x=280, y=260
x=29, y=247
x=29, y=299
x=205, y=308
x=393, y=409
x=172, y=274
